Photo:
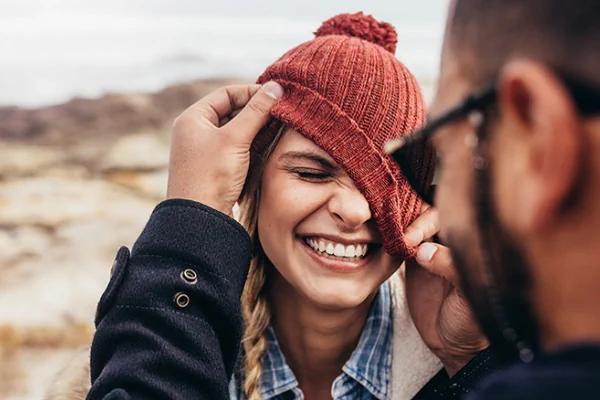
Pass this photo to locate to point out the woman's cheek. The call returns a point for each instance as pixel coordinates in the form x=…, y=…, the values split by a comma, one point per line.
x=300, y=198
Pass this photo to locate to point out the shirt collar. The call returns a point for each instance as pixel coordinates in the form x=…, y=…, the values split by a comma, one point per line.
x=371, y=362
x=369, y=365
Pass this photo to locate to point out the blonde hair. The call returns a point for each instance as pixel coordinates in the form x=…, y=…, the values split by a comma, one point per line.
x=255, y=305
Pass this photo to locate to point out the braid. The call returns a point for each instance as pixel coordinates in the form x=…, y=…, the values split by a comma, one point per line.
x=255, y=303
x=257, y=316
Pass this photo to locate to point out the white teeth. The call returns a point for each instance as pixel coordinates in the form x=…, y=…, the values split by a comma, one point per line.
x=337, y=249
x=358, y=251
x=349, y=251
x=329, y=249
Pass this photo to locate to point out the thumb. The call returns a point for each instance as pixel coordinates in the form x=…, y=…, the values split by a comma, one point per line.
x=254, y=116
x=437, y=259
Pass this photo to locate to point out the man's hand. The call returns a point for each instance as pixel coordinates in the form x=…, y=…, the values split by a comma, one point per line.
x=210, y=146
x=439, y=310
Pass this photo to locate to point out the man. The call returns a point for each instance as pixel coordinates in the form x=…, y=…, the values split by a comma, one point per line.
x=518, y=197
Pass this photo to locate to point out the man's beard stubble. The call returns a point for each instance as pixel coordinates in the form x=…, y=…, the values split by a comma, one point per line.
x=506, y=319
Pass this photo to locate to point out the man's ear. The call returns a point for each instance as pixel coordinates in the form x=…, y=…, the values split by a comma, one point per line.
x=542, y=120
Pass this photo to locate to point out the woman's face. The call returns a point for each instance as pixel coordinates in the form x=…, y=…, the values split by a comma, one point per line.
x=317, y=228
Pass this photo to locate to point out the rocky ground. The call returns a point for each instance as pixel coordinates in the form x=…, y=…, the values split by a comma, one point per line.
x=77, y=181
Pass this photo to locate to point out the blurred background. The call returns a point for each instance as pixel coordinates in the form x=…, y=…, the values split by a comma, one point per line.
x=88, y=91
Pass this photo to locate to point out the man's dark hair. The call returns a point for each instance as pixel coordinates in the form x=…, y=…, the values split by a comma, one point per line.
x=564, y=34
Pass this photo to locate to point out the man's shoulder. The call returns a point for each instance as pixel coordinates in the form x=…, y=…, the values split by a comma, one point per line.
x=569, y=373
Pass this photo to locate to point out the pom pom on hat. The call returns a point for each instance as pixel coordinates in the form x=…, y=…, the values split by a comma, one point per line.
x=363, y=27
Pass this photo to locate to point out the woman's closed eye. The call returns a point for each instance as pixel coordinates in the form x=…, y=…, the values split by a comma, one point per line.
x=312, y=175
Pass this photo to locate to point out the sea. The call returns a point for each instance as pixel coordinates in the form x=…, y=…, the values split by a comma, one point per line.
x=54, y=50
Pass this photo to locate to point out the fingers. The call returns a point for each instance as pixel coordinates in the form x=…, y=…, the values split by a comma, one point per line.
x=220, y=103
x=422, y=228
x=437, y=259
x=244, y=127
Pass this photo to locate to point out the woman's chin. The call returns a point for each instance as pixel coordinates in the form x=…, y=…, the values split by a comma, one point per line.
x=339, y=298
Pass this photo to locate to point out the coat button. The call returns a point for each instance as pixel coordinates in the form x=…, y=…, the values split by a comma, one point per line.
x=189, y=276
x=182, y=300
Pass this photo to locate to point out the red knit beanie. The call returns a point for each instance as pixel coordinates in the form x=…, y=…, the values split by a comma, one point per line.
x=346, y=91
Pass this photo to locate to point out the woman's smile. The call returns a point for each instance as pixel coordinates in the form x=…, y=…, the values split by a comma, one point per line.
x=347, y=257
x=326, y=247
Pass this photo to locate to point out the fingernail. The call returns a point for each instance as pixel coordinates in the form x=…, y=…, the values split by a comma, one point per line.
x=273, y=90
x=411, y=238
x=426, y=252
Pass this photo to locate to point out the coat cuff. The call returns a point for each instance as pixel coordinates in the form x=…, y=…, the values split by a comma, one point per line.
x=182, y=236
x=467, y=379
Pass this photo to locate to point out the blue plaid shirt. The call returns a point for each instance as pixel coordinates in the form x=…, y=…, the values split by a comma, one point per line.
x=365, y=376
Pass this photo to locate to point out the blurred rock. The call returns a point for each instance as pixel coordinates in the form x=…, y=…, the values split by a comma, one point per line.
x=50, y=202
x=153, y=184
x=68, y=172
x=61, y=236
x=141, y=152
x=20, y=243
x=20, y=160
x=108, y=116
x=31, y=370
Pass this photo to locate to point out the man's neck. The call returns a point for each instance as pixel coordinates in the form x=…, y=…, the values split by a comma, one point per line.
x=570, y=306
x=566, y=291
x=316, y=342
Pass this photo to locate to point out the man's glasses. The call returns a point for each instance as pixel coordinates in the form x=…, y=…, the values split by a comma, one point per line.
x=586, y=97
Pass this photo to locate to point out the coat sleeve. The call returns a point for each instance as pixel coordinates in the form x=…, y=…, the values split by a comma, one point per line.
x=169, y=324
x=441, y=387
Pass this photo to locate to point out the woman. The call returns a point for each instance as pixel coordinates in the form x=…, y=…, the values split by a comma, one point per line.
x=321, y=194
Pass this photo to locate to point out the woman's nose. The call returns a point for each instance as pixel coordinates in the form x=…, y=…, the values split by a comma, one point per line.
x=350, y=208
